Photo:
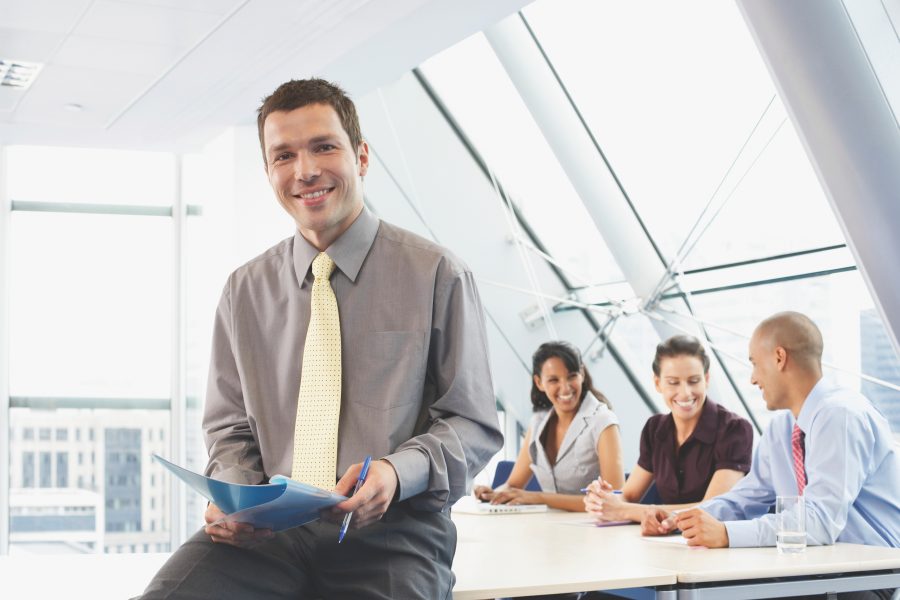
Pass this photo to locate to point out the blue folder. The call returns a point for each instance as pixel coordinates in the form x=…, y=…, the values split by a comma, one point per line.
x=280, y=504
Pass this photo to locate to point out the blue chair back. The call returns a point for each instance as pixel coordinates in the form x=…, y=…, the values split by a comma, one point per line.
x=501, y=474
x=651, y=496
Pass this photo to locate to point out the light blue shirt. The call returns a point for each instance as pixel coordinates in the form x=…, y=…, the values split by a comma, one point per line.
x=853, y=475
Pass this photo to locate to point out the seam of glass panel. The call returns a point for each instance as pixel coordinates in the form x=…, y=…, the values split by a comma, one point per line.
x=763, y=259
x=590, y=134
x=57, y=402
x=4, y=359
x=479, y=160
x=759, y=282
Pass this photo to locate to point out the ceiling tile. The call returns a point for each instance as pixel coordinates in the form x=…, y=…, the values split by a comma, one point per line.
x=29, y=46
x=42, y=15
x=116, y=55
x=101, y=94
x=9, y=97
x=147, y=24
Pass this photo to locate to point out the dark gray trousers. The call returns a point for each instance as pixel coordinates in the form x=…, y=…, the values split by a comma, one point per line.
x=407, y=554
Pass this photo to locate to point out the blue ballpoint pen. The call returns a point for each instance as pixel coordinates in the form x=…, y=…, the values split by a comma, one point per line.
x=359, y=481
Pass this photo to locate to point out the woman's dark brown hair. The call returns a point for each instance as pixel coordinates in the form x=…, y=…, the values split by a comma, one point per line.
x=571, y=357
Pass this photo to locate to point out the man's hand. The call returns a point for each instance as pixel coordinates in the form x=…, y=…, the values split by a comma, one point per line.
x=657, y=522
x=701, y=529
x=242, y=535
x=374, y=497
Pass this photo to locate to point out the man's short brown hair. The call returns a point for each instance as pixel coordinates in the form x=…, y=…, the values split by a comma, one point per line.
x=298, y=93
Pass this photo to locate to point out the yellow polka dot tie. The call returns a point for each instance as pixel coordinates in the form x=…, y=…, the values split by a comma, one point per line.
x=319, y=404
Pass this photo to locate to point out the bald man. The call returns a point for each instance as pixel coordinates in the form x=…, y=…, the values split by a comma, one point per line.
x=848, y=469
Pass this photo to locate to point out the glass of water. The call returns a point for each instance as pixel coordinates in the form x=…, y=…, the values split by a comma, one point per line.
x=790, y=536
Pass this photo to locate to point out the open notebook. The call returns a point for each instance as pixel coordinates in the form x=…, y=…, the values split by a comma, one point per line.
x=471, y=506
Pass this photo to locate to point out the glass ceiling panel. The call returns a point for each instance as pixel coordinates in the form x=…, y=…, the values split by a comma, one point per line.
x=672, y=92
x=471, y=82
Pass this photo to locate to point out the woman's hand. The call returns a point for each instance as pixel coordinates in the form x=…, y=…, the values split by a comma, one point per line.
x=605, y=505
x=515, y=496
x=483, y=493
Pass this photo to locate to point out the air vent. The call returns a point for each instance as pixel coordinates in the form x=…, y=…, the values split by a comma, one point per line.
x=18, y=74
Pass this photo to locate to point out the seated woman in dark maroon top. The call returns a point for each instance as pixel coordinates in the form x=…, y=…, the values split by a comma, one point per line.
x=697, y=451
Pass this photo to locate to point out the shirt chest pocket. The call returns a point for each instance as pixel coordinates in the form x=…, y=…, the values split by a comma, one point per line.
x=390, y=369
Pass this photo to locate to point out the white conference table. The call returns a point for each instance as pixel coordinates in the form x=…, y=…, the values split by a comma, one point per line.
x=530, y=554
x=556, y=552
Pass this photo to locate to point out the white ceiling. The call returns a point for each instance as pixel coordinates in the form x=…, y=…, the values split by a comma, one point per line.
x=170, y=74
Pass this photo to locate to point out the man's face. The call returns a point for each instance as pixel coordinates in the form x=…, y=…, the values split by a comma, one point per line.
x=766, y=374
x=313, y=169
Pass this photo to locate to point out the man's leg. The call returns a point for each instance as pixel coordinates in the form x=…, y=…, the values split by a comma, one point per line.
x=204, y=570
x=407, y=554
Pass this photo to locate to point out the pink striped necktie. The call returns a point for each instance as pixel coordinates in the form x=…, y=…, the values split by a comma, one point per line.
x=799, y=455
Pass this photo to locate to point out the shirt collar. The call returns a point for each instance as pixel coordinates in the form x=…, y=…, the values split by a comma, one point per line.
x=348, y=251
x=589, y=406
x=706, y=428
x=813, y=403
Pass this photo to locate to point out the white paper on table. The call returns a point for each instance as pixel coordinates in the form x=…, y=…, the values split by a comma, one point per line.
x=677, y=540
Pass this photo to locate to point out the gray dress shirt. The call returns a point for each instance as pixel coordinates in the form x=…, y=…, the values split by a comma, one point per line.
x=416, y=385
x=577, y=463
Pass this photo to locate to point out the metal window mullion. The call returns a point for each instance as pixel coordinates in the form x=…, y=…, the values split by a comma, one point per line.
x=178, y=407
x=91, y=209
x=4, y=359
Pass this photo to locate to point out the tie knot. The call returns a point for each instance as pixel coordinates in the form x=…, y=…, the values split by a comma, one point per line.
x=322, y=266
x=797, y=434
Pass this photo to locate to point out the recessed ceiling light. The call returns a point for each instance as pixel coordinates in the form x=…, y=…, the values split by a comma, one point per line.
x=17, y=73
x=73, y=107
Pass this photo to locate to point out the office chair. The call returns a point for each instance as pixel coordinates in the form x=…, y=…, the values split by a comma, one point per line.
x=501, y=474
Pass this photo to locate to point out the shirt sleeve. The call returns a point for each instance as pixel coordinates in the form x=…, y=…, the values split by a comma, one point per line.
x=435, y=468
x=734, y=448
x=234, y=454
x=750, y=498
x=645, y=460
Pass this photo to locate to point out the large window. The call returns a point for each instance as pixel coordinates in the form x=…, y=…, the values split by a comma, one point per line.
x=91, y=337
x=703, y=148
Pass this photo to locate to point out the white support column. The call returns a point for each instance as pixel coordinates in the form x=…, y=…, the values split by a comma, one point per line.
x=178, y=404
x=4, y=358
x=589, y=173
x=838, y=105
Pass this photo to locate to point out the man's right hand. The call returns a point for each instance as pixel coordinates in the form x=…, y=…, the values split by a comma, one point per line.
x=657, y=522
x=242, y=535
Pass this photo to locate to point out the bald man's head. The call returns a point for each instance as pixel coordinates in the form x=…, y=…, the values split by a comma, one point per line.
x=797, y=334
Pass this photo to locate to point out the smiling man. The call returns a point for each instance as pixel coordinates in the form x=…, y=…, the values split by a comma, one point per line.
x=826, y=442
x=351, y=338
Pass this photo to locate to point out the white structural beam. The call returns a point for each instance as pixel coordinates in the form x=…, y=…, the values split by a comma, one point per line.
x=837, y=102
